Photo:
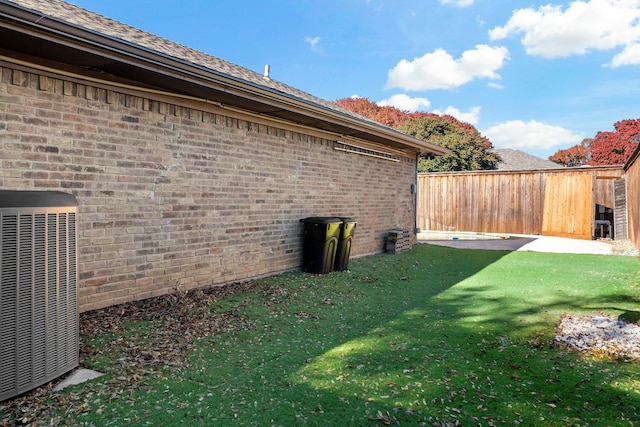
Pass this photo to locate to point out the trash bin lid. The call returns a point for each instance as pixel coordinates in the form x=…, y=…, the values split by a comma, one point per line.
x=322, y=228
x=321, y=220
x=348, y=220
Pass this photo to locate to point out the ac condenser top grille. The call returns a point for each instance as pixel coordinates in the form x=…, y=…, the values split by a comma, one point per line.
x=38, y=291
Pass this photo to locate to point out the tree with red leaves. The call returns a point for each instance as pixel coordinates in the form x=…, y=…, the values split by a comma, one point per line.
x=471, y=151
x=614, y=148
x=388, y=116
x=577, y=155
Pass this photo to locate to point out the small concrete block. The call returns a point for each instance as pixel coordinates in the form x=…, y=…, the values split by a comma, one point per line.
x=77, y=377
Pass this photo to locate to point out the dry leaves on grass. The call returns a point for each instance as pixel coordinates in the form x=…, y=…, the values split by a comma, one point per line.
x=601, y=334
x=175, y=321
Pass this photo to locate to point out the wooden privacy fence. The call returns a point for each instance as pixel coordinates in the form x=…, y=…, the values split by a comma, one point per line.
x=558, y=202
x=632, y=169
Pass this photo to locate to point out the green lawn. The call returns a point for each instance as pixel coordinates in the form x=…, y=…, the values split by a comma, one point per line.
x=433, y=336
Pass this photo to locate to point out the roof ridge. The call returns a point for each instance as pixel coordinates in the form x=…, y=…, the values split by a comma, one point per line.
x=514, y=159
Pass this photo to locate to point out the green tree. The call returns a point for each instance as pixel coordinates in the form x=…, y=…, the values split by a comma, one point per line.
x=471, y=150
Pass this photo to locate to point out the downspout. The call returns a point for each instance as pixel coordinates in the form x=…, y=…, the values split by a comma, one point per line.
x=414, y=190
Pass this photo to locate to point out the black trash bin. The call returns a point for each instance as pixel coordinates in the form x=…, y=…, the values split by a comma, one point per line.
x=347, y=231
x=320, y=243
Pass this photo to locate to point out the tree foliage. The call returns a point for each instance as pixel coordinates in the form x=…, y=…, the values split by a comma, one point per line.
x=388, y=116
x=471, y=150
x=577, y=155
x=607, y=148
x=614, y=148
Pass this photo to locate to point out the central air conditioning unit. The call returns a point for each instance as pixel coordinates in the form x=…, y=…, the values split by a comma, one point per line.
x=39, y=338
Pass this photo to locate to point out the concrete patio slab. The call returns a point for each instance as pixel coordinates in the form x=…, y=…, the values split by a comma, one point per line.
x=521, y=242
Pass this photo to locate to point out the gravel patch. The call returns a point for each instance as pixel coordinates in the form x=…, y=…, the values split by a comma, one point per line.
x=601, y=334
x=622, y=247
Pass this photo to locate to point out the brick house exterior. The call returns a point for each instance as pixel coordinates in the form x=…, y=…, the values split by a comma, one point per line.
x=189, y=171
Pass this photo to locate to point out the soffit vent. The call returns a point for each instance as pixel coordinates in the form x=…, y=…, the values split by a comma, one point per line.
x=39, y=338
x=366, y=151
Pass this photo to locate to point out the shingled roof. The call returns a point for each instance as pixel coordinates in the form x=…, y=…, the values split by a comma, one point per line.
x=127, y=34
x=516, y=160
x=59, y=31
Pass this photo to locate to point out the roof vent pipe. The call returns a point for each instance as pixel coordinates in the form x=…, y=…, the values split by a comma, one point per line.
x=266, y=71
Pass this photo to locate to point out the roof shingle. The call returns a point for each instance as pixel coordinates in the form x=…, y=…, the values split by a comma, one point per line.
x=61, y=10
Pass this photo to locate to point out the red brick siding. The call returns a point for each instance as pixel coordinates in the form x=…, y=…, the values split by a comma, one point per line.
x=182, y=197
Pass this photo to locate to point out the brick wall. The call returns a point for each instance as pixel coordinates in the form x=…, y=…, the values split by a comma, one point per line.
x=176, y=194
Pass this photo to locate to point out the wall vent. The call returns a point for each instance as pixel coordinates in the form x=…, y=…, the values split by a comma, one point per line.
x=366, y=151
x=39, y=338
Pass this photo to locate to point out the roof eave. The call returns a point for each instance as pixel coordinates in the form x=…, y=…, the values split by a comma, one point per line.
x=186, y=77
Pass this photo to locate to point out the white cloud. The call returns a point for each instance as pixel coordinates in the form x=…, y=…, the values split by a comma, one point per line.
x=629, y=56
x=552, y=32
x=471, y=117
x=314, y=42
x=495, y=85
x=459, y=3
x=530, y=135
x=439, y=70
x=406, y=103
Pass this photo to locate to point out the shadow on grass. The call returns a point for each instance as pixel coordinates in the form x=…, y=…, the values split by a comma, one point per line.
x=479, y=352
x=432, y=336
x=436, y=336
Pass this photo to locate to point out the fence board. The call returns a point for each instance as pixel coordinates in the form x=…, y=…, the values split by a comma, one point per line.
x=568, y=205
x=632, y=178
x=620, y=210
x=604, y=192
x=512, y=202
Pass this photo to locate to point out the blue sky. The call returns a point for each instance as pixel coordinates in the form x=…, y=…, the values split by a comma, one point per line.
x=535, y=75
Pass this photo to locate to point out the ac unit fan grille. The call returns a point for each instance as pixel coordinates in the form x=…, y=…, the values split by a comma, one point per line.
x=38, y=297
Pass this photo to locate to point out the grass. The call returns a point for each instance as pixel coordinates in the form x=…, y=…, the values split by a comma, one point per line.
x=433, y=336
